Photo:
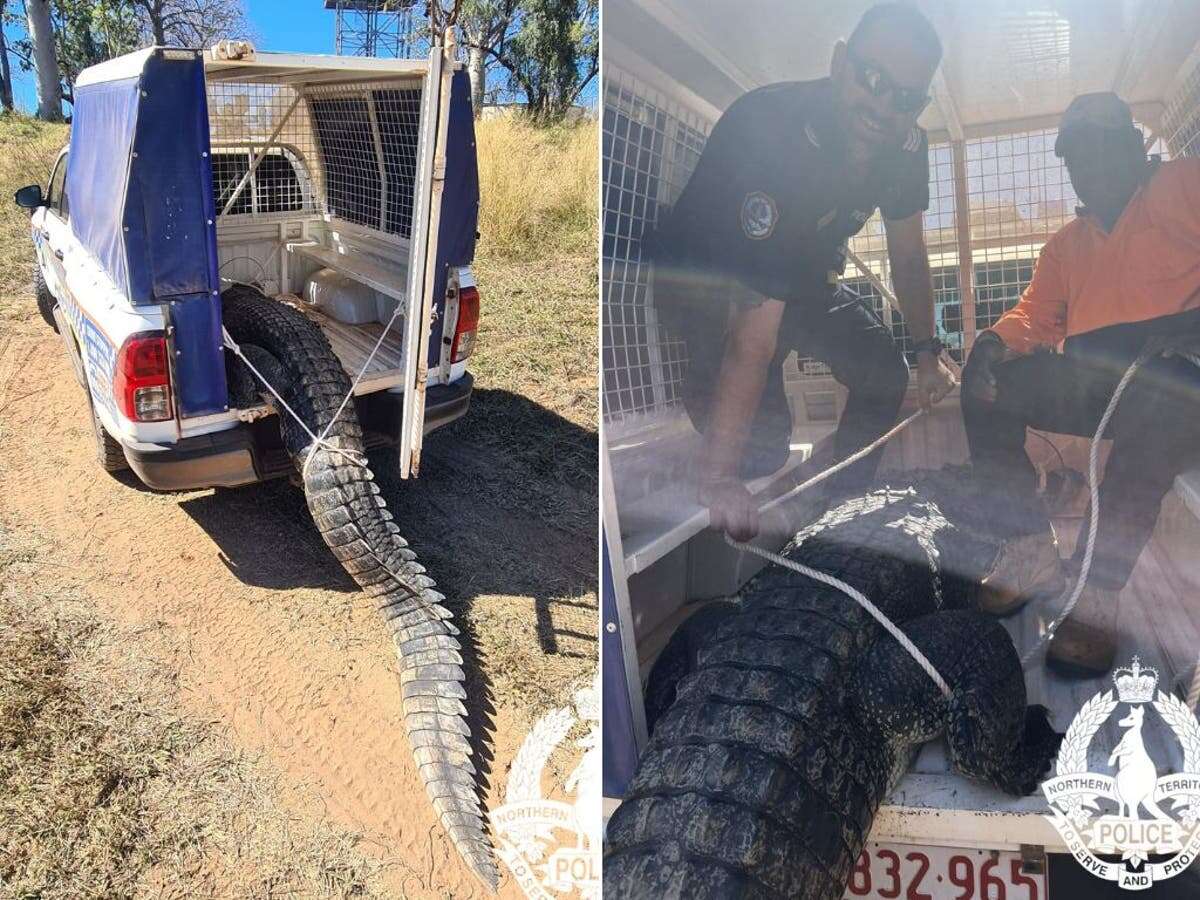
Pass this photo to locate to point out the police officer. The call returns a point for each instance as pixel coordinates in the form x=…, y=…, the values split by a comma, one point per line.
x=747, y=262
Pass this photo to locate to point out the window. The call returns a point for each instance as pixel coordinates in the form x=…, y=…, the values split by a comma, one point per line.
x=57, y=200
x=274, y=188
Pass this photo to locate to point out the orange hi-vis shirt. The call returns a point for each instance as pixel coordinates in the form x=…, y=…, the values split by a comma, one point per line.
x=1147, y=267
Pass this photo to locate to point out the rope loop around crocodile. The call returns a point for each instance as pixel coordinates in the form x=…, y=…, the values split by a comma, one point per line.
x=857, y=596
x=319, y=441
x=1071, y=594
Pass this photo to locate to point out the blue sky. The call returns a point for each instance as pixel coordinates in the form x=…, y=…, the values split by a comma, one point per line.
x=295, y=26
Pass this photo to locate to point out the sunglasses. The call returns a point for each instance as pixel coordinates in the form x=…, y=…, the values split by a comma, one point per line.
x=877, y=83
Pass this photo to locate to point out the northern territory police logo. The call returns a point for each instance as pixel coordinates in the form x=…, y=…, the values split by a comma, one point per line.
x=759, y=216
x=530, y=826
x=1134, y=823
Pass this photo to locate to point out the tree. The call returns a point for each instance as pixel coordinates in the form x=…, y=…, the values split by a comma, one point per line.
x=192, y=23
x=91, y=31
x=554, y=54
x=485, y=25
x=45, y=60
x=86, y=32
x=6, y=90
x=549, y=49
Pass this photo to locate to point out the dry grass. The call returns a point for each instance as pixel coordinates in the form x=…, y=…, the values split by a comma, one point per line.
x=540, y=188
x=536, y=264
x=109, y=791
x=27, y=151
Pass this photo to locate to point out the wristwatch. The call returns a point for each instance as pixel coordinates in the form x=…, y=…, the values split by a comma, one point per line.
x=932, y=345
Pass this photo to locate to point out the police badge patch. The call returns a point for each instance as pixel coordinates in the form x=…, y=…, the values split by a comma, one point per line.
x=759, y=216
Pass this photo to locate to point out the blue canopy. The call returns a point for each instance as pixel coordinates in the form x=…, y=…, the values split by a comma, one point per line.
x=460, y=201
x=140, y=183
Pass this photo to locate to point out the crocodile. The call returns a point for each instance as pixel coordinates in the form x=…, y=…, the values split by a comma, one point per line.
x=293, y=354
x=801, y=713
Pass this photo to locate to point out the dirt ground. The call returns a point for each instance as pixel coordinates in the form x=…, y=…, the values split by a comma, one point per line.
x=270, y=640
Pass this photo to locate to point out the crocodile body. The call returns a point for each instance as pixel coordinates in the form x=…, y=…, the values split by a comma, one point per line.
x=801, y=713
x=295, y=356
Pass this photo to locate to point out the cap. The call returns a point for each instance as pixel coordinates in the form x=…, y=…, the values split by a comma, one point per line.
x=1103, y=110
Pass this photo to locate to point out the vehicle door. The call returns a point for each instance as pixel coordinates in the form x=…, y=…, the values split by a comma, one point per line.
x=56, y=230
x=45, y=221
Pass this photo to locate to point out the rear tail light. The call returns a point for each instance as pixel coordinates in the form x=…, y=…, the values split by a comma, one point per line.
x=142, y=382
x=467, y=325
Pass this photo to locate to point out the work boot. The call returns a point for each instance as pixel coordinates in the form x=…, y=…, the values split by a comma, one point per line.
x=1026, y=566
x=1085, y=643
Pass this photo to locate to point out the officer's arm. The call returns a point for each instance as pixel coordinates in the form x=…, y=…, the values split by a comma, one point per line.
x=910, y=274
x=750, y=346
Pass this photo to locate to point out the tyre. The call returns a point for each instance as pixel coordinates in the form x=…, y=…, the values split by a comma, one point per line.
x=45, y=300
x=109, y=452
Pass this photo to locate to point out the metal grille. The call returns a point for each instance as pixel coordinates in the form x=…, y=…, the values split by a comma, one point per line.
x=1181, y=121
x=1019, y=194
x=940, y=225
x=650, y=147
x=273, y=188
x=368, y=141
x=347, y=151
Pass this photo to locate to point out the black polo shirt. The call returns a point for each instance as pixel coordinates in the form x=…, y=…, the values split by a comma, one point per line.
x=772, y=201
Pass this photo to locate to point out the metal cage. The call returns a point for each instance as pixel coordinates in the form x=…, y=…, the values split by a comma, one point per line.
x=651, y=144
x=346, y=151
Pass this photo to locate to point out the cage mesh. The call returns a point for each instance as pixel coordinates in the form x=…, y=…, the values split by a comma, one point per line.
x=650, y=147
x=348, y=151
x=1018, y=194
x=1181, y=120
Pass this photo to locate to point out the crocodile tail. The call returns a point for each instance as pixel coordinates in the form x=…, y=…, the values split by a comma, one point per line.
x=351, y=515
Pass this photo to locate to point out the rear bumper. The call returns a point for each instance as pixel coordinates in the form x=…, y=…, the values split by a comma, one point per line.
x=254, y=451
x=380, y=413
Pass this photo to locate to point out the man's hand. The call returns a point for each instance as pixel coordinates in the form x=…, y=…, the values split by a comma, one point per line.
x=978, y=379
x=730, y=508
x=934, y=379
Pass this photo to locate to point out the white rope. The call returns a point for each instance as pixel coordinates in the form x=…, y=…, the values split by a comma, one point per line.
x=858, y=597
x=354, y=384
x=848, y=461
x=353, y=455
x=1074, y=592
x=321, y=440
x=851, y=592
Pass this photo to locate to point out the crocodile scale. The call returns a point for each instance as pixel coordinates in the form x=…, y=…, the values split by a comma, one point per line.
x=800, y=713
x=295, y=356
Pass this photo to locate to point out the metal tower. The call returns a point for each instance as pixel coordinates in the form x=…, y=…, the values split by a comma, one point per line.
x=375, y=28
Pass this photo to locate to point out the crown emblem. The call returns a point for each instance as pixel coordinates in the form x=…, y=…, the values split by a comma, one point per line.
x=1135, y=684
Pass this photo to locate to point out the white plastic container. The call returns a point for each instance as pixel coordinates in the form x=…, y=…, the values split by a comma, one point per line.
x=384, y=307
x=341, y=297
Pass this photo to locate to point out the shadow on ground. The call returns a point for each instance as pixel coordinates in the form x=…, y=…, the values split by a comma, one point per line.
x=505, y=505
